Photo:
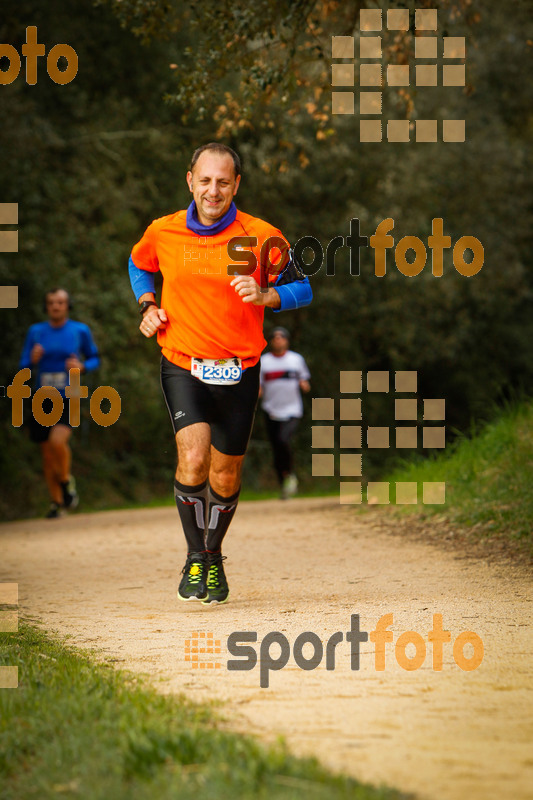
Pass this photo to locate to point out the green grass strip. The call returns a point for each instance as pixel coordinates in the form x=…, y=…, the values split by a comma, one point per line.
x=76, y=728
x=488, y=478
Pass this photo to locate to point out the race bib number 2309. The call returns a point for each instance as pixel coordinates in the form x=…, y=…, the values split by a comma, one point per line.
x=217, y=371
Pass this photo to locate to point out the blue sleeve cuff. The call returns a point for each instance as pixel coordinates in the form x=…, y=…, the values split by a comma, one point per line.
x=296, y=294
x=141, y=281
x=25, y=360
x=92, y=363
x=90, y=351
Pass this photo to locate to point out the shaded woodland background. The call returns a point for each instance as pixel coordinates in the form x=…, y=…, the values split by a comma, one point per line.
x=91, y=163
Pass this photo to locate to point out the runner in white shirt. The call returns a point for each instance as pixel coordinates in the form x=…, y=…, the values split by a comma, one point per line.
x=284, y=375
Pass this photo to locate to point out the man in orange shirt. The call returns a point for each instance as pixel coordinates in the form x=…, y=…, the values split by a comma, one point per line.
x=210, y=329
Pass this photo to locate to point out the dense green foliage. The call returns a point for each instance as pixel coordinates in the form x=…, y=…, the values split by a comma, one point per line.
x=125, y=741
x=91, y=163
x=488, y=478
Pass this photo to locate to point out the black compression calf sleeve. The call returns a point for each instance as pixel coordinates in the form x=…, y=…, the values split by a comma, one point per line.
x=221, y=512
x=191, y=502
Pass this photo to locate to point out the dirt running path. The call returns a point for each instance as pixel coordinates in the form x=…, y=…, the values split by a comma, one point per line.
x=109, y=580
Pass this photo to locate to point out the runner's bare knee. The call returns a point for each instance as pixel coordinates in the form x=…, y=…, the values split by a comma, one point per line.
x=225, y=473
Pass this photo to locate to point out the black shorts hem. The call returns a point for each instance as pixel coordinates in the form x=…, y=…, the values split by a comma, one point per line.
x=40, y=433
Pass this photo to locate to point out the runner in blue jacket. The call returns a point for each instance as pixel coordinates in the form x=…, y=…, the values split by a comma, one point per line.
x=51, y=349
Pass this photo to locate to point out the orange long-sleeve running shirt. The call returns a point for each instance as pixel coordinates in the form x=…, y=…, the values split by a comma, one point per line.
x=206, y=317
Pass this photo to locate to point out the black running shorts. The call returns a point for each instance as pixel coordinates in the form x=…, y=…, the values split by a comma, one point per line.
x=40, y=433
x=229, y=410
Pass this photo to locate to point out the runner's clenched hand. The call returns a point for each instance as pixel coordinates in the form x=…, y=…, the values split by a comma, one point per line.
x=153, y=319
x=250, y=292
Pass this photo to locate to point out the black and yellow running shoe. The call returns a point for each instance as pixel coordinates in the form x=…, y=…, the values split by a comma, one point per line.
x=193, y=585
x=53, y=512
x=217, y=585
x=70, y=495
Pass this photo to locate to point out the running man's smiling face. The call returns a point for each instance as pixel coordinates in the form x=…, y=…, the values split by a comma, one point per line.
x=213, y=185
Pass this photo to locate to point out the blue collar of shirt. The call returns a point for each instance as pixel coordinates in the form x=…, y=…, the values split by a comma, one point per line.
x=194, y=224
